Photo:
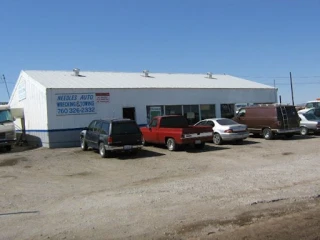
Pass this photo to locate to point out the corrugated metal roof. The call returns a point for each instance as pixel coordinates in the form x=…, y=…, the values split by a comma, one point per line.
x=66, y=79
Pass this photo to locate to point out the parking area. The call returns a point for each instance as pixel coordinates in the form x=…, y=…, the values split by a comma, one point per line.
x=213, y=193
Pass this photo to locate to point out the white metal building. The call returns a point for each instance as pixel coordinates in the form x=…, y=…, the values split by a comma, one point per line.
x=58, y=104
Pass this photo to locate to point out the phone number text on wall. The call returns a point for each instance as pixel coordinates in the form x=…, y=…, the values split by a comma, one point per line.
x=71, y=104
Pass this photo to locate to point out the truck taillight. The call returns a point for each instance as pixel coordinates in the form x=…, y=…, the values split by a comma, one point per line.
x=109, y=140
x=228, y=131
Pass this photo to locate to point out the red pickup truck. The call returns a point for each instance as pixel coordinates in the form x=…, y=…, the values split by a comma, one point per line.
x=174, y=131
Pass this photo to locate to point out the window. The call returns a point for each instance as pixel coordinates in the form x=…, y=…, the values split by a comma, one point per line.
x=121, y=128
x=174, y=110
x=313, y=104
x=153, y=111
x=92, y=125
x=105, y=128
x=207, y=111
x=174, y=122
x=5, y=116
x=310, y=116
x=210, y=123
x=242, y=113
x=97, y=128
x=202, y=123
x=227, y=110
x=226, y=122
x=154, y=123
x=191, y=113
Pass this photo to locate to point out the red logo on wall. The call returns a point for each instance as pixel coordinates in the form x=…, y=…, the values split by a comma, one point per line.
x=103, y=97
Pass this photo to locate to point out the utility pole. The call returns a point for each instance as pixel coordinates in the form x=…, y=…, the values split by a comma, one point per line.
x=4, y=79
x=291, y=89
x=275, y=93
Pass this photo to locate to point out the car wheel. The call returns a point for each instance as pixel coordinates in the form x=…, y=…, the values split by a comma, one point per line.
x=217, y=139
x=199, y=146
x=267, y=134
x=304, y=131
x=102, y=150
x=144, y=143
x=84, y=145
x=171, y=144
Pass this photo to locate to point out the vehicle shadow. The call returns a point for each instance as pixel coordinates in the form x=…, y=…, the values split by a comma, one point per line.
x=17, y=149
x=293, y=138
x=207, y=148
x=144, y=153
x=190, y=148
x=244, y=142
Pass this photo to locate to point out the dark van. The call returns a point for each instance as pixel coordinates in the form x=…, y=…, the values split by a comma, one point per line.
x=270, y=119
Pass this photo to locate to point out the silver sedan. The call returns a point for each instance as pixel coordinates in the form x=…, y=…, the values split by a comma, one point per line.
x=308, y=123
x=225, y=129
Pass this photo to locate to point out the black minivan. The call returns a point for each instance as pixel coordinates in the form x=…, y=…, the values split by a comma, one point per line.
x=114, y=135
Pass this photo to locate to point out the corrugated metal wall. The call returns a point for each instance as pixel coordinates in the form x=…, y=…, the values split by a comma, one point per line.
x=31, y=96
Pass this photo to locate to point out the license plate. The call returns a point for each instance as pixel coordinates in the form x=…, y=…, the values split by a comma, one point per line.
x=197, y=142
x=126, y=147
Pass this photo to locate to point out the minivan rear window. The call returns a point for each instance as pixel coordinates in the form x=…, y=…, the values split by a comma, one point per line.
x=290, y=110
x=120, y=128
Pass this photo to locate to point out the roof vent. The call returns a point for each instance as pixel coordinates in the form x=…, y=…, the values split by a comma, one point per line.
x=209, y=74
x=76, y=71
x=146, y=73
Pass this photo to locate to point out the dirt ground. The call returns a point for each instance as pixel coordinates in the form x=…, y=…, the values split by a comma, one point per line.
x=258, y=190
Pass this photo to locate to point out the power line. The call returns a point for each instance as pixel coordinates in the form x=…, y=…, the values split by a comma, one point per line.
x=279, y=77
x=4, y=79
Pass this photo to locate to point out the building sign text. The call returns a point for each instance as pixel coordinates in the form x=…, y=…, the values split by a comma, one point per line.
x=75, y=103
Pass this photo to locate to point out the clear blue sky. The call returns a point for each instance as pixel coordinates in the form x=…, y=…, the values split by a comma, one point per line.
x=258, y=40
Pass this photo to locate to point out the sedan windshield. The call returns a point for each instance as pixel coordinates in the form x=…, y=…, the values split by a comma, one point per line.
x=226, y=121
x=5, y=116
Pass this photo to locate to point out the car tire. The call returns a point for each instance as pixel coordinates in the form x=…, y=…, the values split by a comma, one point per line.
x=199, y=146
x=304, y=131
x=217, y=139
x=84, y=145
x=144, y=143
x=102, y=150
x=267, y=134
x=171, y=144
